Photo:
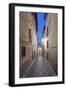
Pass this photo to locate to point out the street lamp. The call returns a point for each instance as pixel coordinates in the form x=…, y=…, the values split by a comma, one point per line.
x=42, y=40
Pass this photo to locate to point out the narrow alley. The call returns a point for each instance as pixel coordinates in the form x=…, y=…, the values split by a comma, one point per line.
x=38, y=46
x=38, y=68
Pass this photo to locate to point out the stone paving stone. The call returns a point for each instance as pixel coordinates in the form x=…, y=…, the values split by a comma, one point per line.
x=39, y=68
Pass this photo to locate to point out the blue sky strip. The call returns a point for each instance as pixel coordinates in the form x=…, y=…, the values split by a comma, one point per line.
x=40, y=20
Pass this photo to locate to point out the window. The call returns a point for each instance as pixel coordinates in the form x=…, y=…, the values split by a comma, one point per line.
x=23, y=51
x=47, y=44
x=47, y=56
x=29, y=35
x=47, y=31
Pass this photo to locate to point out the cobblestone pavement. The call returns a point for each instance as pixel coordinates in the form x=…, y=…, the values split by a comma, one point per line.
x=39, y=68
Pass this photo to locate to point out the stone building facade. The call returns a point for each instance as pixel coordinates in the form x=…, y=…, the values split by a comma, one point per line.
x=50, y=43
x=28, y=39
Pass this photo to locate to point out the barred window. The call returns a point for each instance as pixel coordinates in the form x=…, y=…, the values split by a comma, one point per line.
x=23, y=51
